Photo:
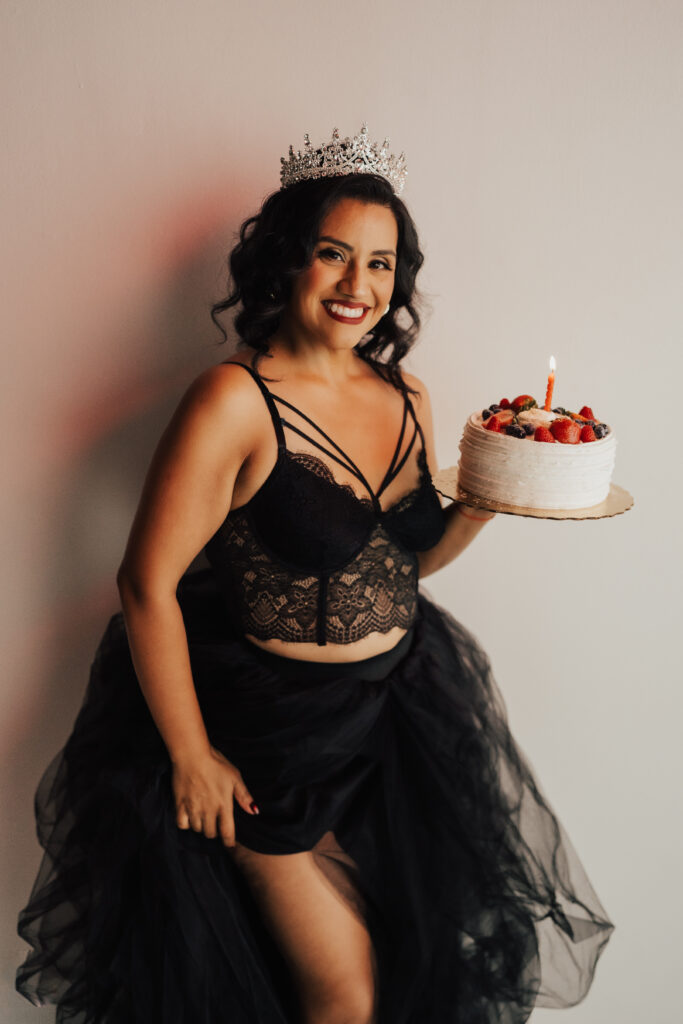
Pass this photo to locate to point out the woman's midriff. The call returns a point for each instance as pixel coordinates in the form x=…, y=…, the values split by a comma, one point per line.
x=374, y=643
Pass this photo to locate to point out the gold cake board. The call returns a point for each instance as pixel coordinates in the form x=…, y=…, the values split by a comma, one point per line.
x=617, y=501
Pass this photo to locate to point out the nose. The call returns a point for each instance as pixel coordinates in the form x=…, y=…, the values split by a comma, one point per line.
x=354, y=281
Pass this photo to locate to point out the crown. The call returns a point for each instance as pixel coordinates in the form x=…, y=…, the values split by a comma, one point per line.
x=344, y=156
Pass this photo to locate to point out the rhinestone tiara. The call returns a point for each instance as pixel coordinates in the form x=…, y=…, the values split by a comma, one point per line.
x=344, y=156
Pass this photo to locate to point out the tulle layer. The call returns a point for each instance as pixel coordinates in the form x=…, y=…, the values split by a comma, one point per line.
x=420, y=808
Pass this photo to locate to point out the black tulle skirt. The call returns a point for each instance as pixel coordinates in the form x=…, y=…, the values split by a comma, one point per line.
x=399, y=772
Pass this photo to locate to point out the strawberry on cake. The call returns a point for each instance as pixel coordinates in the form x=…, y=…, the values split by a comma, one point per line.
x=518, y=454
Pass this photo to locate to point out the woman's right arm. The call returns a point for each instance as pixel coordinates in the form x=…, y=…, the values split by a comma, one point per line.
x=186, y=494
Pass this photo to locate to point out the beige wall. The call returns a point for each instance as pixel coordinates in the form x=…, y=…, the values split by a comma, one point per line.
x=545, y=157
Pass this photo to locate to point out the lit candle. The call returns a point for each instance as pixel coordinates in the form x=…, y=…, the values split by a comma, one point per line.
x=551, y=385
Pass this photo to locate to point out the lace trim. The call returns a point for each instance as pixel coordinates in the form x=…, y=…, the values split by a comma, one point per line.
x=374, y=592
x=316, y=465
x=320, y=468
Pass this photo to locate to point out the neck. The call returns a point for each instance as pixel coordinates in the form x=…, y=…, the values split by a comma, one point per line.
x=311, y=359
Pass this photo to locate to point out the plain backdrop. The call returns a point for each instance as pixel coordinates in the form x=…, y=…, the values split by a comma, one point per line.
x=545, y=157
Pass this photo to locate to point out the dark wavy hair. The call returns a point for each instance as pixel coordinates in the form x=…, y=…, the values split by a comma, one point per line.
x=278, y=242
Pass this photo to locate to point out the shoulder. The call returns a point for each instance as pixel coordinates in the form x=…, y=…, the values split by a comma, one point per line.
x=223, y=403
x=223, y=391
x=421, y=400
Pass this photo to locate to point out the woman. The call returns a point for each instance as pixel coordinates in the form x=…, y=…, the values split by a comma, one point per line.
x=291, y=793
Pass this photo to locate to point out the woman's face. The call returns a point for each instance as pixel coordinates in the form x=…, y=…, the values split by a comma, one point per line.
x=345, y=290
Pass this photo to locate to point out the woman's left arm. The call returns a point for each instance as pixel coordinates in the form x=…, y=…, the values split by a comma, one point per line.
x=462, y=524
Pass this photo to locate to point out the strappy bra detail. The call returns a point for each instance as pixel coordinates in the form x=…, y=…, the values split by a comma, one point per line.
x=307, y=559
x=348, y=464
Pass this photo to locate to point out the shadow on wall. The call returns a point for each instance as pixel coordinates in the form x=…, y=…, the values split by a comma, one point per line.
x=114, y=433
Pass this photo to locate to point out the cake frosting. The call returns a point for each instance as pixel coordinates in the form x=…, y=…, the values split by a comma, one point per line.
x=522, y=472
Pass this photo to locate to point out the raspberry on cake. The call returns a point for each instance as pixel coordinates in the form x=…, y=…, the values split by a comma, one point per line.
x=571, y=469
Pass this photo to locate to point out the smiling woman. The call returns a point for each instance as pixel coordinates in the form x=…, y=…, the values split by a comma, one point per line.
x=278, y=244
x=346, y=281
x=355, y=312
x=291, y=795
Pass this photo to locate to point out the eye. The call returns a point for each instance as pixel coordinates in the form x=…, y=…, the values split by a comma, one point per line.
x=335, y=256
x=330, y=254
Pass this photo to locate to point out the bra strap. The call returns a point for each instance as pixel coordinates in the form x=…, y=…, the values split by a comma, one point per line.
x=418, y=428
x=272, y=408
x=391, y=472
x=349, y=464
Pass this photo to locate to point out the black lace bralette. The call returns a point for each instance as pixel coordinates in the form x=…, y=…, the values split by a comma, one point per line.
x=307, y=559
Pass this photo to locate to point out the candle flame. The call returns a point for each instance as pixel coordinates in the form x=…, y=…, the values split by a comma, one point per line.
x=552, y=364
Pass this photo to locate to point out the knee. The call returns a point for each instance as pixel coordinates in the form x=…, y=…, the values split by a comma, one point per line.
x=351, y=1007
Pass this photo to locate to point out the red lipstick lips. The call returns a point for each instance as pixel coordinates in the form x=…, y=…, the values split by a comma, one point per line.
x=347, y=305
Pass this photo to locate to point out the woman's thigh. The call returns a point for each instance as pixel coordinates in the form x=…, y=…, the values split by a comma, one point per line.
x=323, y=940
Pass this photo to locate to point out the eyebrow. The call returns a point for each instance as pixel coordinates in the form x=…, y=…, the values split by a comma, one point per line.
x=349, y=248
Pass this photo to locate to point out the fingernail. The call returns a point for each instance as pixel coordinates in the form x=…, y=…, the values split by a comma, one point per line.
x=254, y=807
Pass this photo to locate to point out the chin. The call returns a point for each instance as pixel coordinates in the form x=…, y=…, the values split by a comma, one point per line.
x=342, y=336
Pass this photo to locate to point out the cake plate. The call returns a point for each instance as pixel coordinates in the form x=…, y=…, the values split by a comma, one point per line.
x=617, y=501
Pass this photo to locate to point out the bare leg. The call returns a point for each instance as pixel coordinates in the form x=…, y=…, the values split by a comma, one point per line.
x=319, y=930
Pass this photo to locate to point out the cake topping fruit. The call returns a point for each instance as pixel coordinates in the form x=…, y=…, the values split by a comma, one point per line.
x=565, y=431
x=525, y=420
x=493, y=423
x=543, y=434
x=498, y=420
x=515, y=430
x=524, y=402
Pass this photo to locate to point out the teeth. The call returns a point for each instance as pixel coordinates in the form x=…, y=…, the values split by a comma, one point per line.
x=345, y=310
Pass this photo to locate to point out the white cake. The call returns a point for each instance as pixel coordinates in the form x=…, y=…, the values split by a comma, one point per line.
x=534, y=474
